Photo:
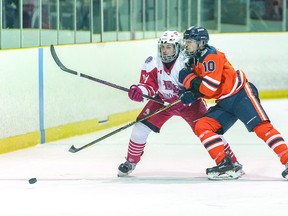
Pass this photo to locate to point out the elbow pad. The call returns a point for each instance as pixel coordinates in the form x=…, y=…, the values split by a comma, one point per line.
x=195, y=83
x=195, y=86
x=183, y=73
x=190, y=81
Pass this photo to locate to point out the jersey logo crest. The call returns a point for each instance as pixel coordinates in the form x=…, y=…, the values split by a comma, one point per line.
x=149, y=59
x=170, y=86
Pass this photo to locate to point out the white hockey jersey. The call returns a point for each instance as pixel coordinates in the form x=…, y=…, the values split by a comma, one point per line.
x=157, y=79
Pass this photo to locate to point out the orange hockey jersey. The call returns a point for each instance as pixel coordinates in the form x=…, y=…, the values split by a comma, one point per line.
x=219, y=78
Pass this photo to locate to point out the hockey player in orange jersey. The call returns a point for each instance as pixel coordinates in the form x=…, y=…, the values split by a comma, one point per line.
x=209, y=74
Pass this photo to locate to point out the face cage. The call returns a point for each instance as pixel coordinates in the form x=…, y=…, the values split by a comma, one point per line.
x=168, y=59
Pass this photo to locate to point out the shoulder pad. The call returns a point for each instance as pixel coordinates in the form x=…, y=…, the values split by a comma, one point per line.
x=207, y=51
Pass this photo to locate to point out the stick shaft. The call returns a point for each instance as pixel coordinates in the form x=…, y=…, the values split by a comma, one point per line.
x=64, y=68
x=74, y=149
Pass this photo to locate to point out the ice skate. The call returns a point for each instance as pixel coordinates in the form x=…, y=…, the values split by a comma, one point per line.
x=225, y=170
x=125, y=169
x=285, y=172
x=239, y=169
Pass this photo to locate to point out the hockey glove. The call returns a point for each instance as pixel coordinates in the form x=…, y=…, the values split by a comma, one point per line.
x=135, y=93
x=188, y=97
x=191, y=82
x=186, y=77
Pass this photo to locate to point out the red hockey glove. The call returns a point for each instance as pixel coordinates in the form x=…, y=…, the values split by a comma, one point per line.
x=135, y=93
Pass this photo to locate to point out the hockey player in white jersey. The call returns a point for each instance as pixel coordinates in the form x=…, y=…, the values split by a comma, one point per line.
x=159, y=77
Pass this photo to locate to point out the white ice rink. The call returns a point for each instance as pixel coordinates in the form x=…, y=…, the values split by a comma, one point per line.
x=169, y=181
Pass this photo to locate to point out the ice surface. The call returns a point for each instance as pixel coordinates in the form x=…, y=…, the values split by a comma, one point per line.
x=170, y=179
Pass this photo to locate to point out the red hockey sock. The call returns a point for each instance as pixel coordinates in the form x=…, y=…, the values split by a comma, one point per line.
x=135, y=151
x=229, y=150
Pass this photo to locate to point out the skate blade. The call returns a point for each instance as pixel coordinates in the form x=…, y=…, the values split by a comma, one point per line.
x=121, y=174
x=229, y=175
x=240, y=173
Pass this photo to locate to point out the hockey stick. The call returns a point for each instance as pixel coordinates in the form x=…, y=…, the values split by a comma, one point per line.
x=64, y=68
x=73, y=149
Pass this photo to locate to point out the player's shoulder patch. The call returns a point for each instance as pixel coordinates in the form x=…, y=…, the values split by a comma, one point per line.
x=149, y=59
x=209, y=50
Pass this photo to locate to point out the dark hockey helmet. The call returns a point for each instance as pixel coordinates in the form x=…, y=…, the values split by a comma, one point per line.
x=198, y=34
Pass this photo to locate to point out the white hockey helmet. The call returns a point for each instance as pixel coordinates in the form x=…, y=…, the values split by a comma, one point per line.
x=170, y=37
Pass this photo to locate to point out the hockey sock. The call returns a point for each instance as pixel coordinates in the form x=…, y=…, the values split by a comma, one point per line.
x=205, y=129
x=137, y=142
x=228, y=149
x=214, y=145
x=273, y=139
x=135, y=151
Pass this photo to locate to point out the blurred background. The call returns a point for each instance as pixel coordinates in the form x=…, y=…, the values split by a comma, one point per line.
x=30, y=23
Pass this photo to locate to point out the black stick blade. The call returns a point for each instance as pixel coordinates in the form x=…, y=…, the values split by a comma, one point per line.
x=59, y=63
x=73, y=149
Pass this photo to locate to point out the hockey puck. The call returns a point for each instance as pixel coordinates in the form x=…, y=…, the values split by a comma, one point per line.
x=32, y=180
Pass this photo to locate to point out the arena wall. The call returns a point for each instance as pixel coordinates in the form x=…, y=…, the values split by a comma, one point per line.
x=41, y=103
